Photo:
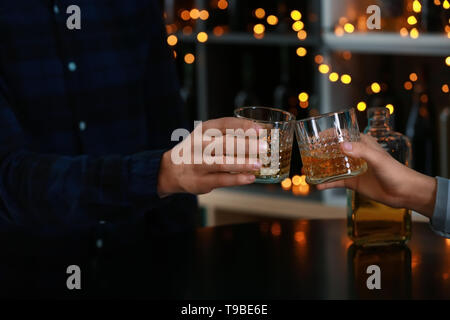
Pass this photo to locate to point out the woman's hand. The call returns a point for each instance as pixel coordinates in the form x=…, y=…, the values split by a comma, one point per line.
x=203, y=178
x=387, y=180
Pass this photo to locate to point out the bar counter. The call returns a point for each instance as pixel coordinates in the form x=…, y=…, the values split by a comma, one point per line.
x=305, y=259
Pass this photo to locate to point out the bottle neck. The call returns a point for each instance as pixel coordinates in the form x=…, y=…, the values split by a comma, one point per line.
x=379, y=124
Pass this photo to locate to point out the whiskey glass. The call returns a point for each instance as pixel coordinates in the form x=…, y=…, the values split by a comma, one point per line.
x=278, y=132
x=319, y=139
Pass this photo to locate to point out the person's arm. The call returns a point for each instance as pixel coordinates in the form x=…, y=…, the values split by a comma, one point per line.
x=390, y=182
x=440, y=221
x=44, y=189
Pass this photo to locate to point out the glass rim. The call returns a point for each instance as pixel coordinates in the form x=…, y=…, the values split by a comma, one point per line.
x=291, y=116
x=328, y=114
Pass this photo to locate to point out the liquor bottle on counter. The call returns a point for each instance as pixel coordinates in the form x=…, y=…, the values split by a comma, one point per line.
x=420, y=130
x=247, y=96
x=370, y=222
x=395, y=265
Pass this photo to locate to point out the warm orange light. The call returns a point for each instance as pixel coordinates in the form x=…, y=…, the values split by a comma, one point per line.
x=339, y=31
x=301, y=52
x=195, y=14
x=304, y=104
x=172, y=40
x=174, y=54
x=301, y=190
x=417, y=7
x=296, y=15
x=272, y=20
x=412, y=20
x=413, y=77
x=298, y=25
x=390, y=107
x=361, y=106
x=286, y=184
x=408, y=85
x=437, y=2
x=275, y=229
x=447, y=61
x=346, y=79
x=202, y=37
x=318, y=59
x=204, y=15
x=343, y=20
x=218, y=31
x=404, y=32
x=333, y=77
x=300, y=237
x=446, y=4
x=303, y=97
x=323, y=68
x=445, y=88
x=349, y=28
x=424, y=98
x=303, y=180
x=259, y=28
x=347, y=55
x=222, y=4
x=376, y=88
x=189, y=58
x=185, y=15
x=296, y=180
x=414, y=33
x=260, y=13
x=187, y=30
x=302, y=35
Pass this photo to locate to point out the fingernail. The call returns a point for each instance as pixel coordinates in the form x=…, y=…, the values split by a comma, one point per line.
x=251, y=178
x=257, y=127
x=347, y=146
x=262, y=146
x=257, y=165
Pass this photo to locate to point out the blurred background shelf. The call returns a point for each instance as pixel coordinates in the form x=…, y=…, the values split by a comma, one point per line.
x=248, y=39
x=389, y=43
x=229, y=55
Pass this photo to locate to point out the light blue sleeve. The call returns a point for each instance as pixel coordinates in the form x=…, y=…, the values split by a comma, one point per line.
x=440, y=221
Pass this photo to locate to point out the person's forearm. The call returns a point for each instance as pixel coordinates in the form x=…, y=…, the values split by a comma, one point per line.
x=41, y=189
x=421, y=195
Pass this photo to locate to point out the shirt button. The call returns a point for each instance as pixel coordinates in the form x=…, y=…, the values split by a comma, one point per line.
x=72, y=66
x=55, y=9
x=82, y=125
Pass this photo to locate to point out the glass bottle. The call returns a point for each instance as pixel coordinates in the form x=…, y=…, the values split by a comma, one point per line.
x=395, y=267
x=370, y=222
x=420, y=129
x=247, y=95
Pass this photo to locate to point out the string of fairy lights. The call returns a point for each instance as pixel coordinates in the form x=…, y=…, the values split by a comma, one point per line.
x=267, y=20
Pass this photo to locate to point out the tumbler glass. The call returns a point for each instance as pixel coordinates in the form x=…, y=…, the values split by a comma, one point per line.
x=279, y=135
x=319, y=140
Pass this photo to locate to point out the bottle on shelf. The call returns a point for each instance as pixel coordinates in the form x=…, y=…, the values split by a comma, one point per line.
x=370, y=222
x=420, y=129
x=187, y=90
x=247, y=95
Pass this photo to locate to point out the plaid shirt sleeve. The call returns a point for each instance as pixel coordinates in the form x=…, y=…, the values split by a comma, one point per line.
x=44, y=188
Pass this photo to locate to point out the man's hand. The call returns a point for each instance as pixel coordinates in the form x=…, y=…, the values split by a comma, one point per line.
x=387, y=180
x=203, y=178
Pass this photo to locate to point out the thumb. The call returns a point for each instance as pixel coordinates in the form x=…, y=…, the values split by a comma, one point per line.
x=361, y=150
